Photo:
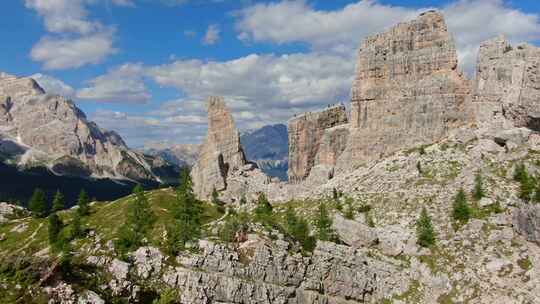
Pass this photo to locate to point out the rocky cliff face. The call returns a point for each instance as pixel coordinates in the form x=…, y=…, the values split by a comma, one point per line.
x=407, y=90
x=306, y=133
x=221, y=152
x=508, y=82
x=38, y=129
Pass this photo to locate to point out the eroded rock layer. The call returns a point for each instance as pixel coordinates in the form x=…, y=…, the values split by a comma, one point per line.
x=305, y=135
x=508, y=80
x=221, y=152
x=407, y=90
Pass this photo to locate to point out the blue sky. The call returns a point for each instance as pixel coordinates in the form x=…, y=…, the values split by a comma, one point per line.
x=144, y=67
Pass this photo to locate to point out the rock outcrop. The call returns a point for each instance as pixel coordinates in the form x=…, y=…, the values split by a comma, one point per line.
x=527, y=222
x=220, y=154
x=40, y=129
x=311, y=140
x=408, y=90
x=508, y=83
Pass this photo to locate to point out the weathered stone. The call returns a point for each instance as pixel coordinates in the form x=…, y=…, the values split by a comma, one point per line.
x=527, y=222
x=510, y=77
x=354, y=233
x=408, y=90
x=221, y=152
x=306, y=132
x=148, y=261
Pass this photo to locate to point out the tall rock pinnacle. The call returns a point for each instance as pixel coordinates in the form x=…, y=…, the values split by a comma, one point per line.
x=220, y=154
x=407, y=90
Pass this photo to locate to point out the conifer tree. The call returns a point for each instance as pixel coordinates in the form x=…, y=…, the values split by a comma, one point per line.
x=76, y=226
x=323, y=223
x=58, y=202
x=460, y=209
x=424, y=230
x=38, y=204
x=215, y=197
x=140, y=220
x=478, y=191
x=55, y=226
x=83, y=203
x=187, y=212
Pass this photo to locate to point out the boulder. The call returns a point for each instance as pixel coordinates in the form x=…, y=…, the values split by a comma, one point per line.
x=354, y=233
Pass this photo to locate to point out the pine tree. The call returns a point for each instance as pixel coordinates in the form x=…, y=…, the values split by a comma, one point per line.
x=424, y=230
x=140, y=220
x=323, y=223
x=38, y=204
x=478, y=191
x=55, y=226
x=76, y=226
x=335, y=194
x=187, y=212
x=460, y=209
x=83, y=203
x=58, y=202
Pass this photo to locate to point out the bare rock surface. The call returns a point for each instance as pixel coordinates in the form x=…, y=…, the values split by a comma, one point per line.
x=508, y=77
x=527, y=222
x=221, y=152
x=306, y=132
x=407, y=90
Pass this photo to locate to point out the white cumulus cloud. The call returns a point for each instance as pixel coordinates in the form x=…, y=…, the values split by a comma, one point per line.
x=212, y=35
x=53, y=85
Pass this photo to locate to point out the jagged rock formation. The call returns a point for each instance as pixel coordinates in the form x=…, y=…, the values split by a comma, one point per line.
x=306, y=133
x=39, y=129
x=408, y=90
x=508, y=82
x=221, y=152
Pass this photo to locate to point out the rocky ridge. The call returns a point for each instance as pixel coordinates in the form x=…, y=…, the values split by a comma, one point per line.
x=38, y=129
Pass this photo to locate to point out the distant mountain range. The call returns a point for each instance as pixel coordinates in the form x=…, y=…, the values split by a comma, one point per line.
x=269, y=148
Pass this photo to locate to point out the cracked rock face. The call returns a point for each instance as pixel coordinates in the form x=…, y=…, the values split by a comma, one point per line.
x=311, y=143
x=220, y=154
x=408, y=90
x=509, y=78
x=37, y=128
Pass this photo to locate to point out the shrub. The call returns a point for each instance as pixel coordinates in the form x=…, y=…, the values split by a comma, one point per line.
x=424, y=230
x=215, y=197
x=298, y=228
x=323, y=223
x=350, y=212
x=478, y=192
x=234, y=224
x=263, y=210
x=460, y=209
